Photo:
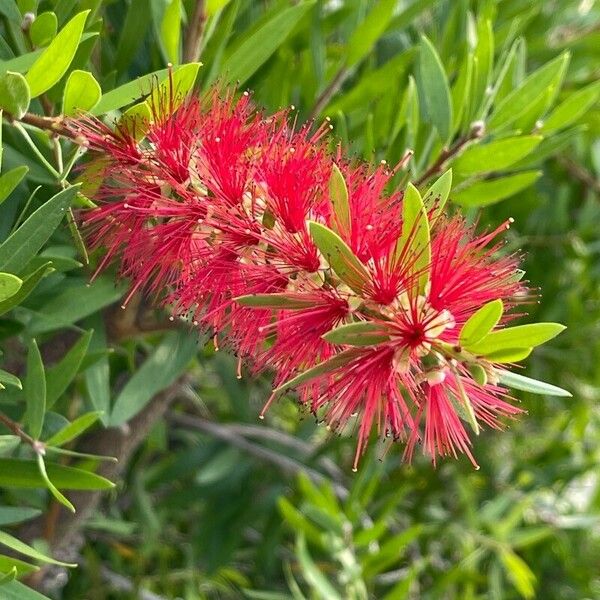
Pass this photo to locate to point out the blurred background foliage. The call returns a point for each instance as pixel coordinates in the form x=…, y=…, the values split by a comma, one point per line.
x=209, y=502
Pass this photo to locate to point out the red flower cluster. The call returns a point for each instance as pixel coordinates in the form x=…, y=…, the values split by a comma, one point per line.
x=301, y=262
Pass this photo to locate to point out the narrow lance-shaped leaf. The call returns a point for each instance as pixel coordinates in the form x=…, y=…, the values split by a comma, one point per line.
x=338, y=196
x=10, y=180
x=51, y=487
x=339, y=256
x=414, y=244
x=357, y=334
x=74, y=429
x=481, y=323
x=572, y=108
x=275, y=301
x=54, y=61
x=437, y=195
x=527, y=384
x=170, y=30
x=21, y=547
x=35, y=390
x=9, y=285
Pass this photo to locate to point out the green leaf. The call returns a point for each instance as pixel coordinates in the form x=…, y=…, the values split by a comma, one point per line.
x=74, y=429
x=43, y=29
x=338, y=196
x=11, y=515
x=297, y=521
x=437, y=195
x=34, y=387
x=367, y=33
x=521, y=336
x=277, y=301
x=62, y=374
x=481, y=323
x=495, y=156
x=327, y=366
x=255, y=50
x=18, y=546
x=483, y=61
x=339, y=256
x=21, y=473
x=357, y=334
x=14, y=94
x=15, y=590
x=22, y=245
x=461, y=93
x=519, y=100
x=9, y=576
x=414, y=244
x=509, y=355
x=28, y=286
x=54, y=61
x=518, y=572
x=74, y=303
x=20, y=567
x=10, y=379
x=311, y=573
x=51, y=487
x=10, y=180
x=170, y=30
x=9, y=286
x=435, y=98
x=159, y=371
x=527, y=384
x=572, y=108
x=184, y=77
x=82, y=92
x=137, y=120
x=484, y=193
x=8, y=443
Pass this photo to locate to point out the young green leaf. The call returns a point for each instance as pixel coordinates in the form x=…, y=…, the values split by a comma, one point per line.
x=22, y=245
x=35, y=390
x=357, y=334
x=9, y=285
x=10, y=180
x=25, y=474
x=73, y=430
x=14, y=94
x=62, y=374
x=527, y=384
x=519, y=100
x=256, y=49
x=436, y=97
x=339, y=256
x=54, y=61
x=484, y=193
x=18, y=546
x=437, y=195
x=415, y=243
x=338, y=196
x=495, y=156
x=509, y=355
x=28, y=286
x=51, y=487
x=481, y=323
x=521, y=336
x=276, y=301
x=10, y=379
x=82, y=92
x=572, y=108
x=43, y=29
x=367, y=33
x=518, y=572
x=170, y=30
x=327, y=366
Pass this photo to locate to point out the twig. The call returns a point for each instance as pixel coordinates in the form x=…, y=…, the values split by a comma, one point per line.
x=477, y=132
x=194, y=33
x=16, y=429
x=54, y=124
x=328, y=93
x=580, y=173
x=222, y=432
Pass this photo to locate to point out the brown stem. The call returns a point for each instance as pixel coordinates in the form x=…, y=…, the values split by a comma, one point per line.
x=194, y=33
x=16, y=429
x=580, y=173
x=328, y=93
x=477, y=132
x=52, y=124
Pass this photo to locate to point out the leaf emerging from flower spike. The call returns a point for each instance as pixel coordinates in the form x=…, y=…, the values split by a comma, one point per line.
x=357, y=334
x=415, y=243
x=339, y=256
x=327, y=366
x=509, y=355
x=527, y=384
x=338, y=195
x=522, y=336
x=437, y=195
x=282, y=301
x=481, y=323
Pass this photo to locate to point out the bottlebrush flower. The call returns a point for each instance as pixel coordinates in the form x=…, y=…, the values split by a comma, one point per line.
x=385, y=314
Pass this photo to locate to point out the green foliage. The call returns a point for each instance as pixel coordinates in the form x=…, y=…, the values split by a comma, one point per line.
x=502, y=92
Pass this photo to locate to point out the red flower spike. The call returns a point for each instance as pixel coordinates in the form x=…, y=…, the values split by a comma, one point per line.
x=214, y=204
